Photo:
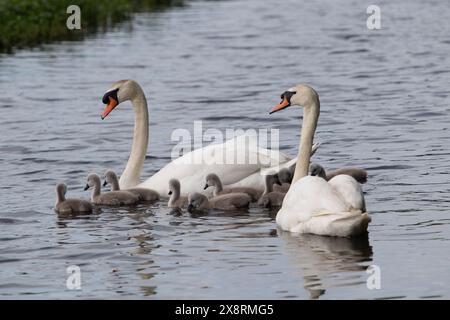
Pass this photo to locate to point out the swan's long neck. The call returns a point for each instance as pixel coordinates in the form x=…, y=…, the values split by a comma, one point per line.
x=96, y=190
x=174, y=196
x=310, y=118
x=115, y=184
x=60, y=196
x=131, y=174
x=219, y=187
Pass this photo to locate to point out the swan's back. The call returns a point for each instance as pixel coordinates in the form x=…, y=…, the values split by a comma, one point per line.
x=350, y=191
x=144, y=194
x=69, y=206
x=231, y=201
x=191, y=168
x=358, y=174
x=313, y=205
x=311, y=195
x=116, y=198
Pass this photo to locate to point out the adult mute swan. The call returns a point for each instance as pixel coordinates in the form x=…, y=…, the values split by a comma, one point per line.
x=313, y=205
x=192, y=168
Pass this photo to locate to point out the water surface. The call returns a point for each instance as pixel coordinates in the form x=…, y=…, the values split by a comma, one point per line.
x=385, y=107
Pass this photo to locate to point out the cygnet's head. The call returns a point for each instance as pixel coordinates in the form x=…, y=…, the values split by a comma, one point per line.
x=61, y=189
x=316, y=169
x=212, y=179
x=195, y=201
x=110, y=178
x=92, y=181
x=174, y=186
x=285, y=175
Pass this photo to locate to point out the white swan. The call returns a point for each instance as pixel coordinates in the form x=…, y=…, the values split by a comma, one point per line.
x=192, y=168
x=313, y=205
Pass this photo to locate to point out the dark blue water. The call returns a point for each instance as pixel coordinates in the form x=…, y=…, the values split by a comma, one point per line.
x=385, y=107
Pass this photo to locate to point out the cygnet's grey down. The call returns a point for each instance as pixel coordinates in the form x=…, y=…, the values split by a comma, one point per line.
x=358, y=174
x=229, y=201
x=112, y=198
x=70, y=206
x=213, y=180
x=175, y=200
x=285, y=177
x=143, y=193
x=270, y=198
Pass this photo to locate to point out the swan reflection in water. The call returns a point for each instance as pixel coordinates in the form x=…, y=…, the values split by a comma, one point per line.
x=326, y=262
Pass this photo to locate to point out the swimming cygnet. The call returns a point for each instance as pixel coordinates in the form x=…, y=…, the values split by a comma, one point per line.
x=112, y=198
x=229, y=201
x=143, y=193
x=175, y=200
x=270, y=198
x=358, y=174
x=213, y=180
x=285, y=178
x=69, y=206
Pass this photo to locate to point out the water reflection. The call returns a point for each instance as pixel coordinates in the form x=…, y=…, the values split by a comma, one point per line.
x=322, y=258
x=64, y=218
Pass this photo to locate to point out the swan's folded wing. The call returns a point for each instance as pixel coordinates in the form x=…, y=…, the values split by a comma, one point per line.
x=309, y=196
x=240, y=150
x=232, y=161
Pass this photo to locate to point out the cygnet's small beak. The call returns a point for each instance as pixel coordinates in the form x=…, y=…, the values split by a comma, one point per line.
x=170, y=192
x=105, y=183
x=206, y=187
x=190, y=208
x=86, y=187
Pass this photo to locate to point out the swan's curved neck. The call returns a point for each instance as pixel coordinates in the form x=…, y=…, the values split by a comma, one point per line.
x=174, y=196
x=310, y=118
x=96, y=191
x=131, y=174
x=60, y=196
x=115, y=184
x=219, y=187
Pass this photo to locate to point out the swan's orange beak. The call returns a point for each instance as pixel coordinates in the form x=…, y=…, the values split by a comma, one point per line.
x=283, y=104
x=109, y=107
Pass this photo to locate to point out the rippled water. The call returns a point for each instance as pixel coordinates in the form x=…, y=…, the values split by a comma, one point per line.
x=385, y=107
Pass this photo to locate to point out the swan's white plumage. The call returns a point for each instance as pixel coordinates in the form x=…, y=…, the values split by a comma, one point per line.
x=238, y=160
x=245, y=170
x=349, y=190
x=312, y=205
